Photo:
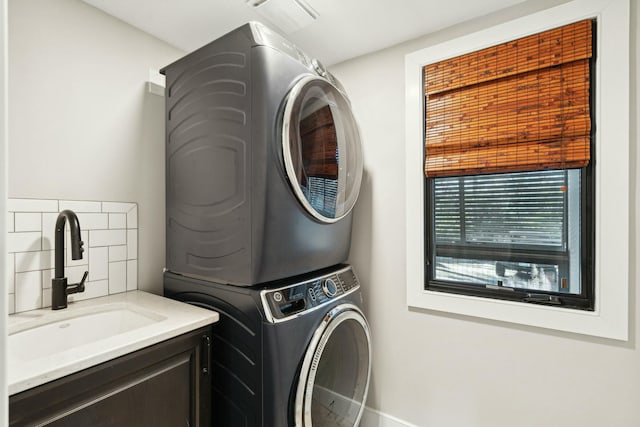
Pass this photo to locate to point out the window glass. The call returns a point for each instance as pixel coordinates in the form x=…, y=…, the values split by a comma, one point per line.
x=516, y=230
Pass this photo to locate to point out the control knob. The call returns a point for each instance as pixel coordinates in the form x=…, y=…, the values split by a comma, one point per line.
x=329, y=288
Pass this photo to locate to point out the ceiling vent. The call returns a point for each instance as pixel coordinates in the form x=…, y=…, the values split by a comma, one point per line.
x=288, y=15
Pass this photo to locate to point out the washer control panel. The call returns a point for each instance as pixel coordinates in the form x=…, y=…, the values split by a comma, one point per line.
x=281, y=303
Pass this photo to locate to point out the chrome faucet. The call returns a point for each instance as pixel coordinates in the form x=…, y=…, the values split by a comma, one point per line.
x=59, y=287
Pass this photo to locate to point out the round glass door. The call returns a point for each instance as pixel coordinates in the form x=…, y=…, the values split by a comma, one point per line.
x=321, y=148
x=334, y=379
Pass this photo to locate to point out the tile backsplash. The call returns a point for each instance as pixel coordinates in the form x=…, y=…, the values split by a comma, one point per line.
x=110, y=234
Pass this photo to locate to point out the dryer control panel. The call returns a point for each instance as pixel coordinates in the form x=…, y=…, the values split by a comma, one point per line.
x=282, y=303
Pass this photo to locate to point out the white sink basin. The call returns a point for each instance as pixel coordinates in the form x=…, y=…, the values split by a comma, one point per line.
x=44, y=345
x=84, y=327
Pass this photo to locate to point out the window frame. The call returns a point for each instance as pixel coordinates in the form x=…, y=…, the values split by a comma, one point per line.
x=611, y=126
x=583, y=301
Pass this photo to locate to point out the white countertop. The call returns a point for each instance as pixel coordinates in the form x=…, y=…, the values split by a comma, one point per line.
x=33, y=364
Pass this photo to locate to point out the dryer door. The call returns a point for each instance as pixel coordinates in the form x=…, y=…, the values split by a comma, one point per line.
x=334, y=378
x=321, y=149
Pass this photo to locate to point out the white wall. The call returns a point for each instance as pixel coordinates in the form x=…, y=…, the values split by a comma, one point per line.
x=435, y=369
x=82, y=126
x=3, y=198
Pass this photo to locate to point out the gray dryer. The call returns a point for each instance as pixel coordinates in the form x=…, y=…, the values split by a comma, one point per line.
x=263, y=161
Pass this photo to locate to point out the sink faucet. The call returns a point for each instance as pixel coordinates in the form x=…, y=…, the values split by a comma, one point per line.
x=59, y=287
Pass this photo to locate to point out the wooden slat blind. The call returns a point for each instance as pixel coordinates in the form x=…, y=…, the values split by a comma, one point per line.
x=519, y=106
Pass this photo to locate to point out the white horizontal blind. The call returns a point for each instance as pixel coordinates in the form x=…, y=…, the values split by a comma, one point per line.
x=502, y=210
x=322, y=194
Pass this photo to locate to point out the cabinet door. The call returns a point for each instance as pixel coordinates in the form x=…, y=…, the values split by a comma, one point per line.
x=167, y=384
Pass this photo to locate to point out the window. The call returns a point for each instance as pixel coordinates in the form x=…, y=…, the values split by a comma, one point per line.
x=514, y=236
x=521, y=111
x=509, y=258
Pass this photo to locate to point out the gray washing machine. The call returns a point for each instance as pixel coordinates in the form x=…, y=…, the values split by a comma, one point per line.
x=263, y=161
x=294, y=353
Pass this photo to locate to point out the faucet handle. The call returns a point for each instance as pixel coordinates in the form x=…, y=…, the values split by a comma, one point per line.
x=81, y=284
x=76, y=287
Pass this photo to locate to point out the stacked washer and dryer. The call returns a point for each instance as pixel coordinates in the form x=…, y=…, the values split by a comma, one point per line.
x=264, y=164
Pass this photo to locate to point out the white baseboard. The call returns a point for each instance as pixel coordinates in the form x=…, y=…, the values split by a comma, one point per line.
x=374, y=418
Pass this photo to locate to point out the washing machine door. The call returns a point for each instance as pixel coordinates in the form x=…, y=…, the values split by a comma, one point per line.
x=321, y=149
x=334, y=378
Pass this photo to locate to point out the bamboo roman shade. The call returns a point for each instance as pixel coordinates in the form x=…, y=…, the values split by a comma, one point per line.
x=518, y=106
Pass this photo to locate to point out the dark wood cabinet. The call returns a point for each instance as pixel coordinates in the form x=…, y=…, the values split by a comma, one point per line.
x=167, y=384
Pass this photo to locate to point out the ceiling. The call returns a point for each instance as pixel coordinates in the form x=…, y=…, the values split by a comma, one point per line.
x=344, y=29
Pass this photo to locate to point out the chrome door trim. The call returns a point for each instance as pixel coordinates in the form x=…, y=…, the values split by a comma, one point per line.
x=304, y=391
x=286, y=150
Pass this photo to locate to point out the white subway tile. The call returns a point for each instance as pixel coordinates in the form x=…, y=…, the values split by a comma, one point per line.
x=132, y=244
x=11, y=303
x=69, y=261
x=132, y=275
x=24, y=242
x=98, y=263
x=46, y=298
x=91, y=290
x=47, y=275
x=117, y=220
x=10, y=222
x=28, y=221
x=93, y=221
x=11, y=274
x=32, y=261
x=49, y=230
x=74, y=274
x=117, y=207
x=117, y=253
x=80, y=206
x=28, y=291
x=109, y=230
x=107, y=237
x=132, y=217
x=88, y=221
x=117, y=277
x=32, y=205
